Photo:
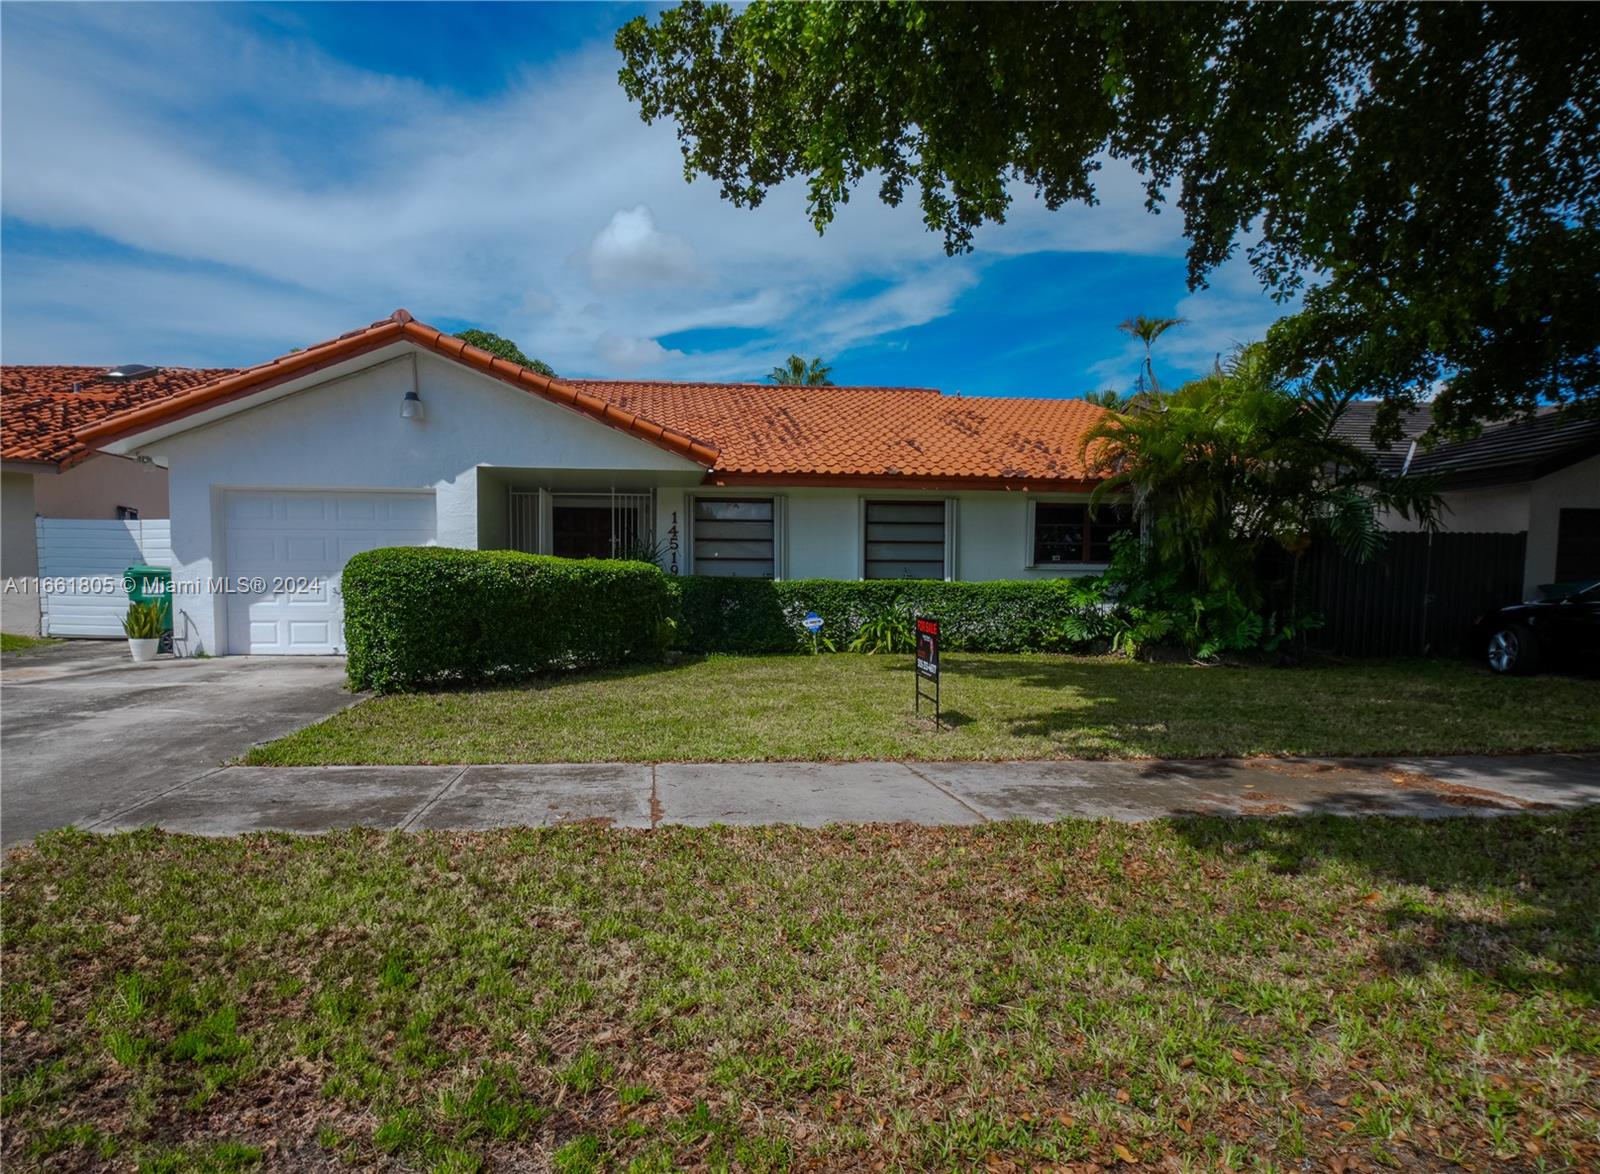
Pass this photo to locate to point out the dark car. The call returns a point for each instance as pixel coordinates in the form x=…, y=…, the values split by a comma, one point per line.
x=1562, y=627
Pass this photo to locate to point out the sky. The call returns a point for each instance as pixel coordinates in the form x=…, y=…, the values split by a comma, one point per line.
x=198, y=185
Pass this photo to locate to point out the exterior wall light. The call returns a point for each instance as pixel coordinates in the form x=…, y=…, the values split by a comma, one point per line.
x=411, y=407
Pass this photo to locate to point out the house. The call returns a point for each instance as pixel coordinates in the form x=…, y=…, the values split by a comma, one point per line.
x=46, y=469
x=1539, y=477
x=400, y=434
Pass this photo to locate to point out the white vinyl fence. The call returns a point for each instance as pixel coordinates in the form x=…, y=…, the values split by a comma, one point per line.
x=81, y=566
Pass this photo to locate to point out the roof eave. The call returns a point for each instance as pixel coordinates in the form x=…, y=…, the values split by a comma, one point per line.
x=894, y=481
x=128, y=430
x=14, y=465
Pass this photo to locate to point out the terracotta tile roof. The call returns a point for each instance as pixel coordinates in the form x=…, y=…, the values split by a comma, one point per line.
x=43, y=409
x=880, y=433
x=741, y=432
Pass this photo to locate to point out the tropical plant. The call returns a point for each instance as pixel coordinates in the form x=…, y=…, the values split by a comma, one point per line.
x=144, y=621
x=1106, y=398
x=886, y=629
x=1421, y=176
x=794, y=371
x=644, y=550
x=1236, y=463
x=505, y=349
x=1138, y=604
x=1147, y=330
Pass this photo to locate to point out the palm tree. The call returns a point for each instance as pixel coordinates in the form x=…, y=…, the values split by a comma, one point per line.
x=1238, y=462
x=1147, y=330
x=794, y=372
x=1105, y=399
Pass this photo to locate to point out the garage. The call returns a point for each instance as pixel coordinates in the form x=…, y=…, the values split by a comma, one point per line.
x=285, y=551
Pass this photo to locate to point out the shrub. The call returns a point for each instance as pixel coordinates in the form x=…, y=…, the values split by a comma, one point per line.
x=1137, y=605
x=418, y=616
x=754, y=615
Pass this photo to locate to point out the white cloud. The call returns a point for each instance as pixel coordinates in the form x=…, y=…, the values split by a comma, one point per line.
x=628, y=355
x=548, y=212
x=631, y=250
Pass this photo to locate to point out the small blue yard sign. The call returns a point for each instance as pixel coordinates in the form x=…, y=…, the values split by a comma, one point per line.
x=813, y=622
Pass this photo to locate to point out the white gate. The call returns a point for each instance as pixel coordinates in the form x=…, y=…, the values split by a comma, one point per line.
x=82, y=562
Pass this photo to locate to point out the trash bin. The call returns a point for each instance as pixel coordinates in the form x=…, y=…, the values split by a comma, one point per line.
x=147, y=584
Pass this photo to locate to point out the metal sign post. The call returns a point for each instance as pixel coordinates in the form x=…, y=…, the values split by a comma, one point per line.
x=927, y=631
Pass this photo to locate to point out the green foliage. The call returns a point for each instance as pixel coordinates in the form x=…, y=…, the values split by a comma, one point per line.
x=417, y=616
x=144, y=621
x=1423, y=175
x=886, y=629
x=756, y=615
x=794, y=371
x=1138, y=604
x=1147, y=330
x=1232, y=465
x=504, y=348
x=1106, y=398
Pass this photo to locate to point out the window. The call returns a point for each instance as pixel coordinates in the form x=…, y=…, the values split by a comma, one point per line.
x=127, y=513
x=905, y=540
x=735, y=537
x=1069, y=532
x=1578, y=545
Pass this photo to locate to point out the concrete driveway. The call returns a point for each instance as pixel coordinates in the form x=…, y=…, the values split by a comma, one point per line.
x=85, y=734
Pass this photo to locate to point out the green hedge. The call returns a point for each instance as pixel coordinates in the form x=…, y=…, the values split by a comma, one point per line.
x=754, y=615
x=421, y=615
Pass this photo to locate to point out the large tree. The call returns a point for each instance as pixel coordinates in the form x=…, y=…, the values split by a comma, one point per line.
x=1427, y=177
x=506, y=349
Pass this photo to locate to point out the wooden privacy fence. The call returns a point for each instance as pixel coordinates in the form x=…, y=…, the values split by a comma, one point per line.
x=1418, y=596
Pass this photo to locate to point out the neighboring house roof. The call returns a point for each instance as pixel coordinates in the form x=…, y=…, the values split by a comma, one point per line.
x=1355, y=428
x=741, y=432
x=43, y=410
x=1504, y=453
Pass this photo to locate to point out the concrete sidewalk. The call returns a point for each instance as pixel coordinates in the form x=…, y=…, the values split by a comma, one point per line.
x=232, y=800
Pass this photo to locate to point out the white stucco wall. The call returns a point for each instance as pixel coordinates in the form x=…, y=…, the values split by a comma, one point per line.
x=1490, y=509
x=1575, y=487
x=19, y=556
x=821, y=531
x=346, y=433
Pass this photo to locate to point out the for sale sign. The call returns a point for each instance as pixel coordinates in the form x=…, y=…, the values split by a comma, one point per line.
x=927, y=633
x=928, y=648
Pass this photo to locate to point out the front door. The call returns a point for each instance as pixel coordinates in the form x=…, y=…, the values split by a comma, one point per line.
x=580, y=531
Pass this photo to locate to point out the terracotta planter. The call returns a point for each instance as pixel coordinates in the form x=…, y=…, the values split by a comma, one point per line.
x=143, y=650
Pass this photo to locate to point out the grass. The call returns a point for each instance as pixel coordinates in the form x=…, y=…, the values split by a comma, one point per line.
x=12, y=642
x=998, y=707
x=1294, y=993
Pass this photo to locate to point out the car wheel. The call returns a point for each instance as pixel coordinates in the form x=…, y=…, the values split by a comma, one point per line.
x=1513, y=649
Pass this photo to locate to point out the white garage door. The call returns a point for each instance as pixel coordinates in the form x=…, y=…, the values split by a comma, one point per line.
x=286, y=551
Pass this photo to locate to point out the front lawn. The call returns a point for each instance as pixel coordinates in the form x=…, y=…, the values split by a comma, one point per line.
x=1294, y=993
x=998, y=707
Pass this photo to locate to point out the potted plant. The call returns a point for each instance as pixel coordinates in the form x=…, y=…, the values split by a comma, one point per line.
x=143, y=627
